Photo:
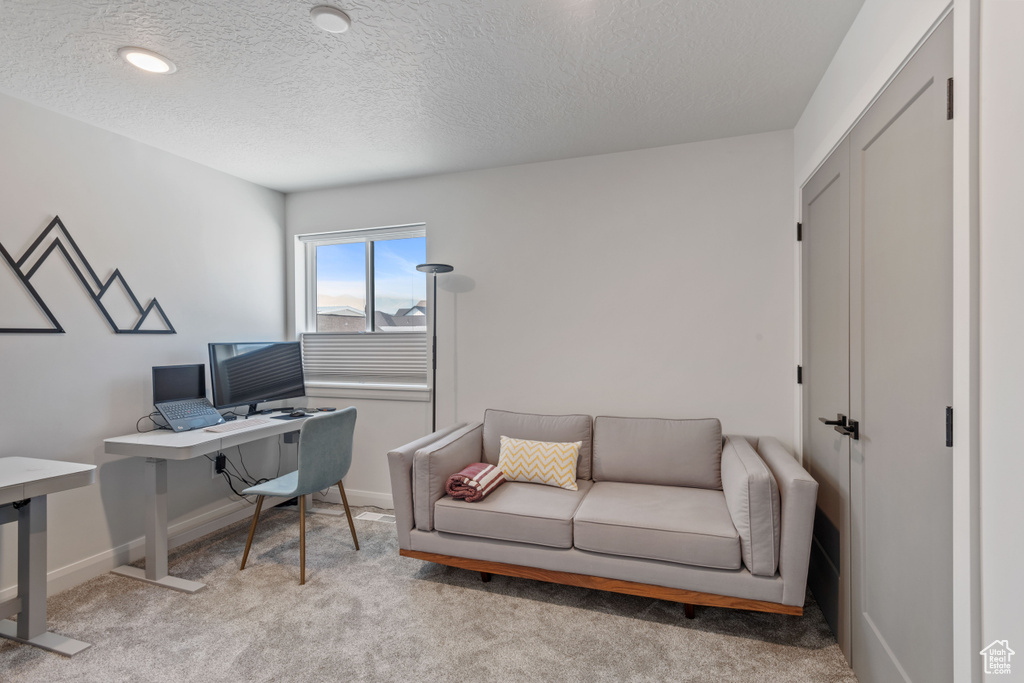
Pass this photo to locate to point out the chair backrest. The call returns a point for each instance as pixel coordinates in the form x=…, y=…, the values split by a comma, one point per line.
x=325, y=450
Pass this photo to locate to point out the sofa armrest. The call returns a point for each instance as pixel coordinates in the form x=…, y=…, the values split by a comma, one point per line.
x=400, y=469
x=433, y=464
x=799, y=493
x=752, y=496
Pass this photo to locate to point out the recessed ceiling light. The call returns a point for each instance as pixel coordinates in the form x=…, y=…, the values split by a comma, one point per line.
x=330, y=19
x=147, y=60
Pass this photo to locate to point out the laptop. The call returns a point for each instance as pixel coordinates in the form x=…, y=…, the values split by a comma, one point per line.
x=179, y=394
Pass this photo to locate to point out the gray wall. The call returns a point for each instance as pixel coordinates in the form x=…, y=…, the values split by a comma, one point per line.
x=657, y=282
x=208, y=246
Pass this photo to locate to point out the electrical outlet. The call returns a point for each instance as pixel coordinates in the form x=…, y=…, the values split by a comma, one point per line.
x=219, y=463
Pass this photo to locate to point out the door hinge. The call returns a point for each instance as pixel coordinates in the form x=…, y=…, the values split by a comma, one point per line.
x=799, y=232
x=799, y=374
x=949, y=426
x=949, y=99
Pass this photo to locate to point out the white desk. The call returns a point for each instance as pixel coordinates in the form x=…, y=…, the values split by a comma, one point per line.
x=159, y=446
x=24, y=485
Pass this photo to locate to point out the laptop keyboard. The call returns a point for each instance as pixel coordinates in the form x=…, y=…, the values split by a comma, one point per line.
x=184, y=409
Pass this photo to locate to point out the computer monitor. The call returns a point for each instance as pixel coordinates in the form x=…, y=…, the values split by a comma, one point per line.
x=255, y=372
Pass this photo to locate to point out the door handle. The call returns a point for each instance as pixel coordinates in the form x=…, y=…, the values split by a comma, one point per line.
x=851, y=429
x=839, y=421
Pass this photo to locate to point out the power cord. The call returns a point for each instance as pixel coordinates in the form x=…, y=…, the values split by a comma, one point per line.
x=241, y=460
x=152, y=418
x=229, y=477
x=231, y=474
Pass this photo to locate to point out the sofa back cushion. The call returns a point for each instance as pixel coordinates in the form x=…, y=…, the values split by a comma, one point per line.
x=655, y=451
x=561, y=428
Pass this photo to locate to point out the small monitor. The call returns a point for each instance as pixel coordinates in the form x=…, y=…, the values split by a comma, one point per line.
x=255, y=372
x=178, y=382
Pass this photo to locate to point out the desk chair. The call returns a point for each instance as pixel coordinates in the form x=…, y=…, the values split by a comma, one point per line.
x=325, y=454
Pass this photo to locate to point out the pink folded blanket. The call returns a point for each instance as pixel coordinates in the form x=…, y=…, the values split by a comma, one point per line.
x=474, y=482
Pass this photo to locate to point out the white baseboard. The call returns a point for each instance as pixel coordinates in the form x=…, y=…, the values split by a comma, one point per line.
x=178, y=534
x=356, y=497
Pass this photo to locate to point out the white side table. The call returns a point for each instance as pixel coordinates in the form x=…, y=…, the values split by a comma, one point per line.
x=24, y=485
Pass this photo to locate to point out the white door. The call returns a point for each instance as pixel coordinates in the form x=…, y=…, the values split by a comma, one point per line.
x=901, y=317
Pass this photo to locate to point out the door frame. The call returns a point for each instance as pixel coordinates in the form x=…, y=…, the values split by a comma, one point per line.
x=838, y=163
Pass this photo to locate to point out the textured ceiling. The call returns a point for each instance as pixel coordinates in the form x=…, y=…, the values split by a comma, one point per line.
x=420, y=86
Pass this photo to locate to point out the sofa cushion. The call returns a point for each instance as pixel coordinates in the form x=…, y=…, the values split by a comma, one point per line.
x=670, y=523
x=753, y=498
x=561, y=428
x=539, y=462
x=525, y=513
x=656, y=451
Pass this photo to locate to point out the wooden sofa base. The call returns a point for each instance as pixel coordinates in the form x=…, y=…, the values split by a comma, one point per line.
x=646, y=590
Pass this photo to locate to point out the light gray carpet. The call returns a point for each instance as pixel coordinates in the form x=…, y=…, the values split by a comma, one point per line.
x=374, y=616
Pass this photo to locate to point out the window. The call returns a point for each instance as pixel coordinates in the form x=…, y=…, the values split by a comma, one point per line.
x=369, y=283
x=366, y=308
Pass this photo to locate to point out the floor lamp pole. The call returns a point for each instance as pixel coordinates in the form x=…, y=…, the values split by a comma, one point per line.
x=434, y=269
x=433, y=367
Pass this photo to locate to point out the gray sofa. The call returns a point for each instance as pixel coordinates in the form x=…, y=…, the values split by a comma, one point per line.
x=665, y=508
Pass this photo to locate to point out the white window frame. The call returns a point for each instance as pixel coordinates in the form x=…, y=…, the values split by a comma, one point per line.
x=368, y=237
x=306, y=246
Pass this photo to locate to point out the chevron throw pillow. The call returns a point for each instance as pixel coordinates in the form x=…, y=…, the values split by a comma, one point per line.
x=539, y=462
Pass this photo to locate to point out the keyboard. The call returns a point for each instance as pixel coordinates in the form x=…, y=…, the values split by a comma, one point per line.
x=181, y=409
x=238, y=424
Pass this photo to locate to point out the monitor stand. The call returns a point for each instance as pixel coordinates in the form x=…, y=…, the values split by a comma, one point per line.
x=252, y=407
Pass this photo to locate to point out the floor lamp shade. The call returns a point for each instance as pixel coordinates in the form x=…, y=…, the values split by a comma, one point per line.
x=434, y=269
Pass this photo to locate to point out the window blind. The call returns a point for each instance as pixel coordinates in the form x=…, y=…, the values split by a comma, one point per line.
x=396, y=358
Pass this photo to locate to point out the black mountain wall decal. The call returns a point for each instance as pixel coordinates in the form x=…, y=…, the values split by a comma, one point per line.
x=152, y=314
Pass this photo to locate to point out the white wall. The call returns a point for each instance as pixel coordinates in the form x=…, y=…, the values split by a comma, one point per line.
x=380, y=426
x=208, y=246
x=649, y=283
x=879, y=41
x=1002, y=326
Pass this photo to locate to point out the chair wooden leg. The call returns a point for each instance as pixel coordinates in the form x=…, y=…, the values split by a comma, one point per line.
x=302, y=540
x=252, y=530
x=348, y=513
x=688, y=610
x=485, y=577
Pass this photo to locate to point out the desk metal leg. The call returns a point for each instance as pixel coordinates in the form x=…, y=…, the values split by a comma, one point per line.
x=31, y=625
x=32, y=558
x=156, y=535
x=156, y=521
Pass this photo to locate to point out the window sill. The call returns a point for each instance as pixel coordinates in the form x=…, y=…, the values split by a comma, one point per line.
x=380, y=392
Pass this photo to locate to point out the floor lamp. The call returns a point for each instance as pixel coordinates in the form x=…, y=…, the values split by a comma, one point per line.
x=434, y=269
